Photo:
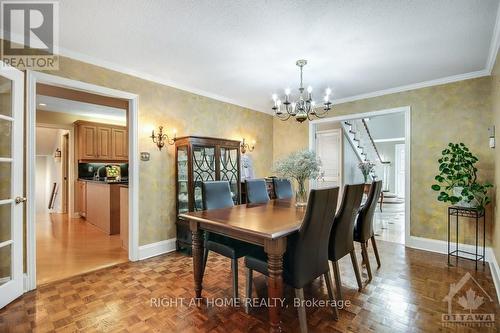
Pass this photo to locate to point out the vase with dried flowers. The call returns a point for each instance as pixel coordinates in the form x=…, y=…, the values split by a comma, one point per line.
x=301, y=166
x=366, y=168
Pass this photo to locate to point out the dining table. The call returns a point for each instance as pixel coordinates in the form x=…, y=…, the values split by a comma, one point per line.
x=267, y=225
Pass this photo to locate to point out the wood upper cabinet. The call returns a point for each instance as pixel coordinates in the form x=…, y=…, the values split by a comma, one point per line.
x=104, y=146
x=120, y=143
x=100, y=142
x=87, y=141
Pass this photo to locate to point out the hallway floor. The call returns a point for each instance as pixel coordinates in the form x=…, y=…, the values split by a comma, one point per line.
x=390, y=223
x=66, y=248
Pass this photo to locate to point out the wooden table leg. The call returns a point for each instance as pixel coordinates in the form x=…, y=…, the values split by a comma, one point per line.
x=197, y=245
x=275, y=250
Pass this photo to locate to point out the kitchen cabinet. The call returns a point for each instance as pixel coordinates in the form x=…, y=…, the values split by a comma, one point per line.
x=103, y=206
x=104, y=145
x=81, y=198
x=87, y=141
x=124, y=216
x=120, y=143
x=97, y=142
x=199, y=159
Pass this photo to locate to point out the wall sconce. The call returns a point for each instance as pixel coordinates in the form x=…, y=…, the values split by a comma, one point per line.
x=245, y=146
x=57, y=154
x=160, y=138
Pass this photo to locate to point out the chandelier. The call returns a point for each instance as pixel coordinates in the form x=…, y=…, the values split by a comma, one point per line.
x=303, y=107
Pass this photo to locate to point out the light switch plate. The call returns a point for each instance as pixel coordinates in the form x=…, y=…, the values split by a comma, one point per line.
x=145, y=156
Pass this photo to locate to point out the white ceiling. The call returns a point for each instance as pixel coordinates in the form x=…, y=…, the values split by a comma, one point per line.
x=54, y=104
x=242, y=51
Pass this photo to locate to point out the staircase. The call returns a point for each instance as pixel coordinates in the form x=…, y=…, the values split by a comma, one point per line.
x=361, y=140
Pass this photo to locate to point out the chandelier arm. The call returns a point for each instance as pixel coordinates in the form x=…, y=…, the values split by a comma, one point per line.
x=284, y=118
x=322, y=112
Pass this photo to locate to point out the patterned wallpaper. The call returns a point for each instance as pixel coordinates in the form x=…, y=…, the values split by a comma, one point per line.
x=190, y=114
x=458, y=112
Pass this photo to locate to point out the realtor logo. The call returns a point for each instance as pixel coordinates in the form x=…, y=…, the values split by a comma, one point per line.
x=30, y=34
x=470, y=302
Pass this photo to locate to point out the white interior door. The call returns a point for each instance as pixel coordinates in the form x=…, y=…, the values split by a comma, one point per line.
x=11, y=184
x=328, y=149
x=399, y=171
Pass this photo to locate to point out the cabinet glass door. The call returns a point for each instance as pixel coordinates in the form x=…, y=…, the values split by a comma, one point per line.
x=11, y=184
x=203, y=170
x=182, y=179
x=229, y=170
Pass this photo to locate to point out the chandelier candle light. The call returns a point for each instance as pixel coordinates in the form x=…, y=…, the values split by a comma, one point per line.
x=304, y=107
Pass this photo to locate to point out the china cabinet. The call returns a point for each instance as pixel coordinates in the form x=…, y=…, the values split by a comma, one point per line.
x=199, y=159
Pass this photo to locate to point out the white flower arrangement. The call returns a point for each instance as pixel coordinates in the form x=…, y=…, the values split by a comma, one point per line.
x=301, y=165
x=366, y=168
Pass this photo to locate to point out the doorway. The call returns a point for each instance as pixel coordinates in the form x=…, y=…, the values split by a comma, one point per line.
x=381, y=137
x=71, y=222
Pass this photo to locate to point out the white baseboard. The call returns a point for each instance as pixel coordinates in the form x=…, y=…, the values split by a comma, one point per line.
x=439, y=246
x=155, y=249
x=495, y=272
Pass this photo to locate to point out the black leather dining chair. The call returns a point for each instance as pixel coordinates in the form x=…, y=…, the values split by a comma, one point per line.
x=282, y=188
x=215, y=195
x=341, y=236
x=306, y=256
x=257, y=191
x=363, y=230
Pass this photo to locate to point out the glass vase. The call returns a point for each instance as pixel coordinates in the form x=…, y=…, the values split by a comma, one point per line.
x=301, y=194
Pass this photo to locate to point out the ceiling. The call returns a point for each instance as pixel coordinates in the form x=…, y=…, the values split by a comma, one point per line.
x=54, y=104
x=243, y=51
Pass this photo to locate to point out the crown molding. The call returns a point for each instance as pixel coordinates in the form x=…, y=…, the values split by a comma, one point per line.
x=494, y=44
x=148, y=77
x=414, y=86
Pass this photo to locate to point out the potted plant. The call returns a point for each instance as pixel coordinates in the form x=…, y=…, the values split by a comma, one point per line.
x=457, y=178
x=366, y=168
x=301, y=166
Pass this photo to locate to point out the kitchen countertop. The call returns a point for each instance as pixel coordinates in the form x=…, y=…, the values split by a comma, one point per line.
x=108, y=182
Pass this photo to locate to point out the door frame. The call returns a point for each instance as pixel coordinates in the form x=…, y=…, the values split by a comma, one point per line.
x=397, y=166
x=14, y=287
x=65, y=168
x=32, y=78
x=407, y=112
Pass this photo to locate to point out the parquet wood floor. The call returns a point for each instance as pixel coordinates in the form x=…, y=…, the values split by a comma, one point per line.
x=406, y=295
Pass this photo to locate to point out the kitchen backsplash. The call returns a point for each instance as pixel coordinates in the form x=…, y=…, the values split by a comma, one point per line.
x=87, y=170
